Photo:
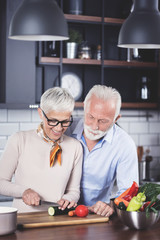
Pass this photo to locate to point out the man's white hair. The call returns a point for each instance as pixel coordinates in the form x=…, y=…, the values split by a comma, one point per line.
x=57, y=99
x=104, y=93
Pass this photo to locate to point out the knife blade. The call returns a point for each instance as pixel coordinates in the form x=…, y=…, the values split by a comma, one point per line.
x=54, y=204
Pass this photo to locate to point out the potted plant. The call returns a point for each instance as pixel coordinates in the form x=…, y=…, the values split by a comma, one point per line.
x=75, y=38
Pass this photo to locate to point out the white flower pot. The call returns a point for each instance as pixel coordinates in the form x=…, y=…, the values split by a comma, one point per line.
x=72, y=49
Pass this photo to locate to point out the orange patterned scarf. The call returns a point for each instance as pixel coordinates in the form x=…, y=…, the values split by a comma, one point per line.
x=55, y=154
x=56, y=150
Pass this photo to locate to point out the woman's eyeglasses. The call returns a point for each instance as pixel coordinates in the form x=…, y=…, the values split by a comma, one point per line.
x=55, y=122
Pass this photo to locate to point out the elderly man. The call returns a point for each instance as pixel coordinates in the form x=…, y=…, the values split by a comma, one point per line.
x=109, y=152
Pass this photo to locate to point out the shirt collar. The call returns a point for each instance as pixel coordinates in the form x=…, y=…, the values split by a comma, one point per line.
x=78, y=131
x=109, y=135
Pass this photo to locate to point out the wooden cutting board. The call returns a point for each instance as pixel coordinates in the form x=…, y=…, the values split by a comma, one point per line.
x=42, y=219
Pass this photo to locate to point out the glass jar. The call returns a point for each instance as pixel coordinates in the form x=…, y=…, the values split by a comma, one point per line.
x=84, y=52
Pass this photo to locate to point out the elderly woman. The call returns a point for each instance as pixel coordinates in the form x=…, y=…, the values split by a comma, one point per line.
x=46, y=164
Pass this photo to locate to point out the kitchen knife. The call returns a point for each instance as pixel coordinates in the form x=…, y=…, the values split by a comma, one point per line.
x=54, y=204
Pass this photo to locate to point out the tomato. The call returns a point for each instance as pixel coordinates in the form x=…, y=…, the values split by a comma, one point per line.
x=81, y=211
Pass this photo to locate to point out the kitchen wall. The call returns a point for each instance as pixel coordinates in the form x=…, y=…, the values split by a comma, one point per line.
x=144, y=130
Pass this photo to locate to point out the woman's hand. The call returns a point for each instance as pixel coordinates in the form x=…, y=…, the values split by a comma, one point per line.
x=63, y=203
x=101, y=208
x=30, y=197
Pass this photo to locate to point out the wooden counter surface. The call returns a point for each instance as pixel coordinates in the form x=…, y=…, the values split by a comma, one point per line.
x=111, y=230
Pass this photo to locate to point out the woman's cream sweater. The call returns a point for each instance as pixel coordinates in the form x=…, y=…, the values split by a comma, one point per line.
x=26, y=156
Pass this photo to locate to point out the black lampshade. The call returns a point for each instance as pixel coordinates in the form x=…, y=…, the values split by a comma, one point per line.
x=142, y=28
x=38, y=20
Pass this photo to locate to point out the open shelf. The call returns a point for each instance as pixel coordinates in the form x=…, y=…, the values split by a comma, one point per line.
x=100, y=26
x=144, y=105
x=130, y=64
x=45, y=60
x=113, y=20
x=92, y=19
x=83, y=18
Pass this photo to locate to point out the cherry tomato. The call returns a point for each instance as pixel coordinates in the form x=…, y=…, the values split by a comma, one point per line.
x=81, y=211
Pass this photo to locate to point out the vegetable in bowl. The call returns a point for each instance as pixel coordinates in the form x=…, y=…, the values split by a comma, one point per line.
x=144, y=198
x=151, y=190
x=141, y=210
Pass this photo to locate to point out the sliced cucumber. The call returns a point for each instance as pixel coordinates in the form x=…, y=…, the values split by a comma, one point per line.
x=56, y=211
x=51, y=211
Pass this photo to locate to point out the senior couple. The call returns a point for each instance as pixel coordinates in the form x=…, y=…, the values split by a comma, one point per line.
x=81, y=168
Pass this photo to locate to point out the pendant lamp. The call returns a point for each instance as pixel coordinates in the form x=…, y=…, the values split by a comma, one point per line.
x=142, y=27
x=38, y=20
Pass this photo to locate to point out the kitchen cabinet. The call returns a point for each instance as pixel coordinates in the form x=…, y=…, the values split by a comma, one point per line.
x=27, y=69
x=100, y=25
x=17, y=64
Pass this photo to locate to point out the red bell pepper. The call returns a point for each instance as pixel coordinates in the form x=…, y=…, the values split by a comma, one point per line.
x=133, y=192
x=145, y=205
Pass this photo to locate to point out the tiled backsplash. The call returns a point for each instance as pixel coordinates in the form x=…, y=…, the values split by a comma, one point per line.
x=144, y=131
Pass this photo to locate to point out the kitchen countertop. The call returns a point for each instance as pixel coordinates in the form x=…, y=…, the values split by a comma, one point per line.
x=112, y=230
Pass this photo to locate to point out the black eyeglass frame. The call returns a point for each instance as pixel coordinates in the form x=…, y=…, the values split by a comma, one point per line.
x=61, y=122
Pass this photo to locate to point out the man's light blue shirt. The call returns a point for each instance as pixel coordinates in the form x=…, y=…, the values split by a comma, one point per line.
x=113, y=158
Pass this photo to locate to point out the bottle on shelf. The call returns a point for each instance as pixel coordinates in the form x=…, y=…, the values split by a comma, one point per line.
x=99, y=53
x=144, y=90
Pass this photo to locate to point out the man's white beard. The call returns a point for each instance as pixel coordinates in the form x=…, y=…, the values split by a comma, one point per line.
x=94, y=134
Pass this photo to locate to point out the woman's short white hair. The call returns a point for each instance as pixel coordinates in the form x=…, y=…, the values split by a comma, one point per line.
x=57, y=99
x=105, y=93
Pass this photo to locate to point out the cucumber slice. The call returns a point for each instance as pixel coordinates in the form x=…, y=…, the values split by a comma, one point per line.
x=51, y=211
